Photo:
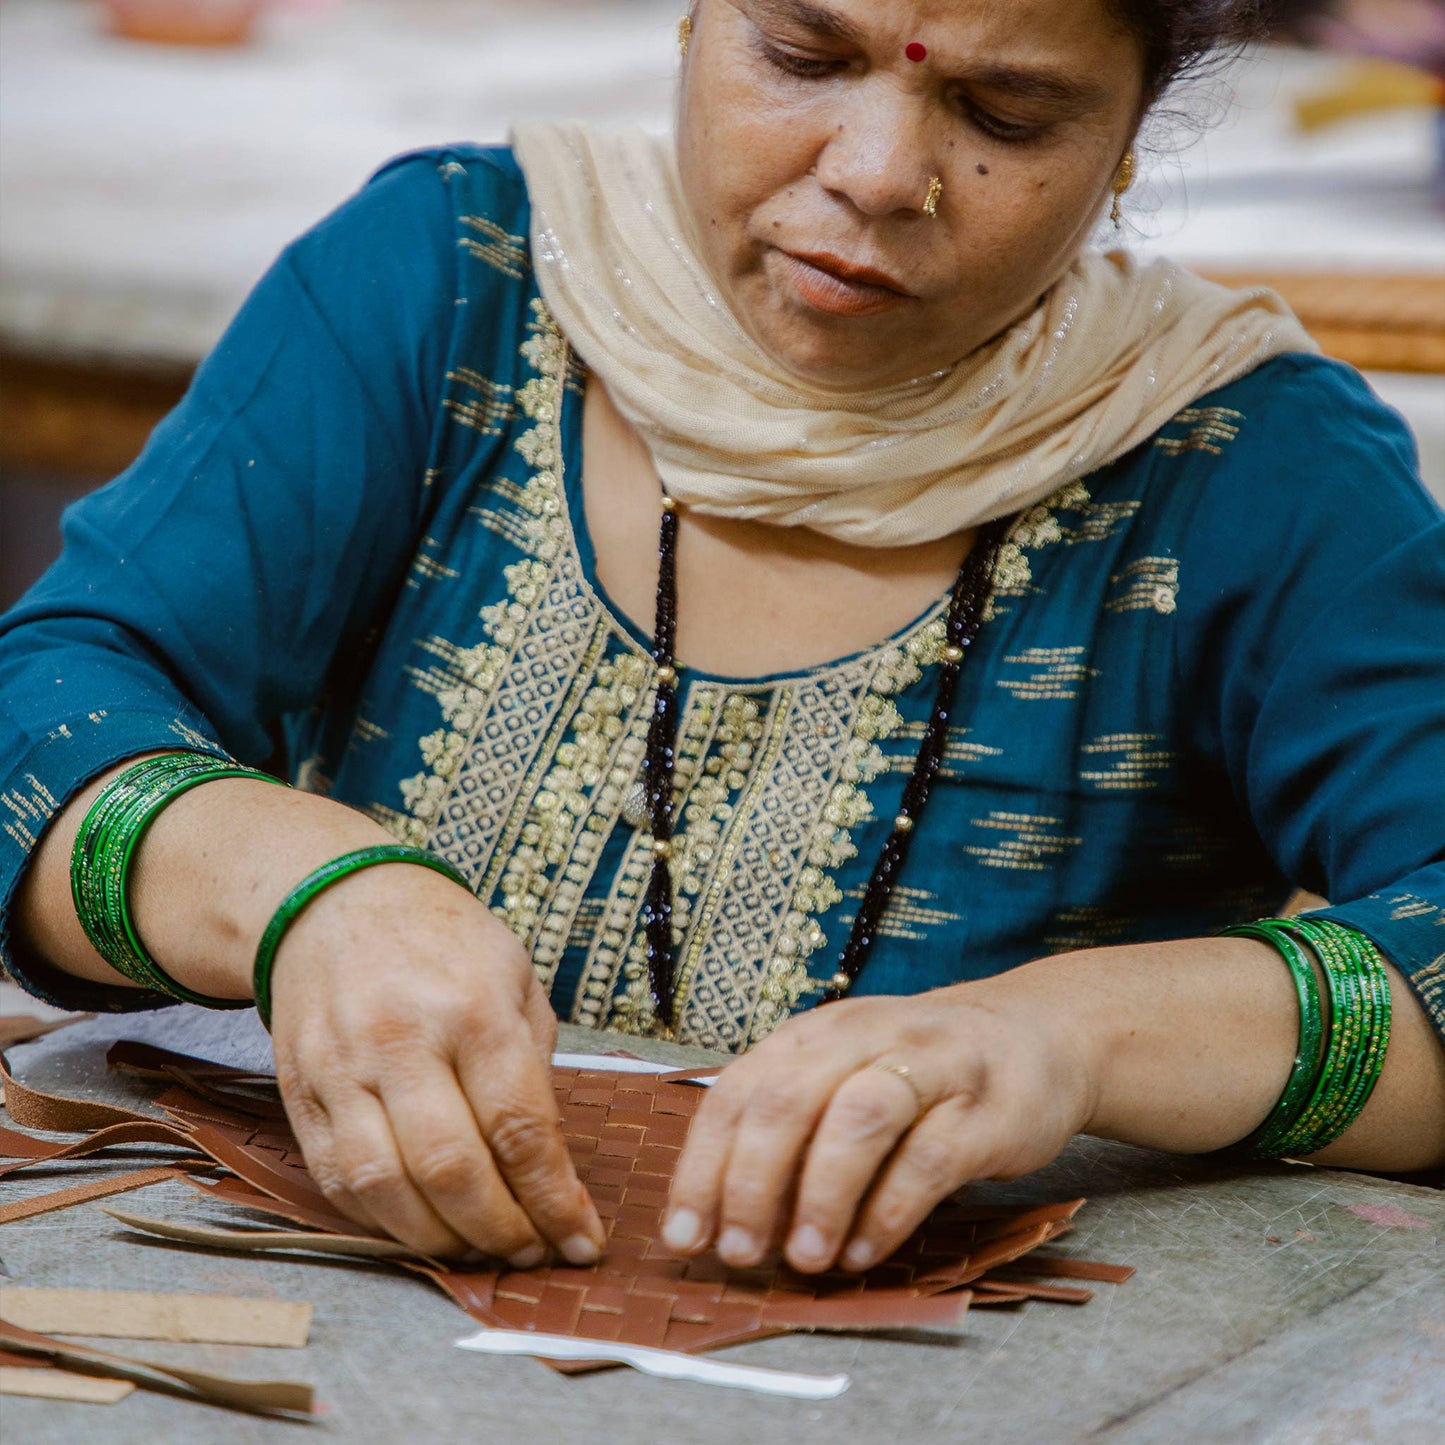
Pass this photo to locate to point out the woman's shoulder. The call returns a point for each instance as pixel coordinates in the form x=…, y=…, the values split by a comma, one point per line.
x=1298, y=434
x=468, y=172
x=416, y=211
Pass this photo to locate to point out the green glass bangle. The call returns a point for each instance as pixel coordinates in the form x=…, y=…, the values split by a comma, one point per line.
x=1361, y=1020
x=97, y=874
x=318, y=882
x=1357, y=985
x=104, y=850
x=1298, y=1088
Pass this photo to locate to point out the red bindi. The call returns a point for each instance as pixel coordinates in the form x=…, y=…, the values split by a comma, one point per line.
x=916, y=52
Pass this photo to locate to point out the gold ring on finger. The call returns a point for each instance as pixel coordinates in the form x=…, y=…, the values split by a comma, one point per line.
x=906, y=1074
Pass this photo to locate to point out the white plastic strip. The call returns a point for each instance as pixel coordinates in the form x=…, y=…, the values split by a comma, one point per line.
x=610, y=1062
x=666, y=1364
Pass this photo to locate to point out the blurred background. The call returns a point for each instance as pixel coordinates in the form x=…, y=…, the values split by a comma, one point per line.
x=156, y=154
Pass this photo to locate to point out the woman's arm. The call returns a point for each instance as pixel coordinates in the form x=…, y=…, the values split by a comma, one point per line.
x=225, y=584
x=412, y=1038
x=1182, y=1046
x=1309, y=673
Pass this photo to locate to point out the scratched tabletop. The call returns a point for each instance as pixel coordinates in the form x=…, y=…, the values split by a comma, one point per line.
x=1272, y=1304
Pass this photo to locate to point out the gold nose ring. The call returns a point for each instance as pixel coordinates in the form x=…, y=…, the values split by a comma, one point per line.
x=930, y=201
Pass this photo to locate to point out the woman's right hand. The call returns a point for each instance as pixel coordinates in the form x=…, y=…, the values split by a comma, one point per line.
x=413, y=1045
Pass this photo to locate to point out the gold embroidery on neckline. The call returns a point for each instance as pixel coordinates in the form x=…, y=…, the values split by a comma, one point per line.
x=544, y=726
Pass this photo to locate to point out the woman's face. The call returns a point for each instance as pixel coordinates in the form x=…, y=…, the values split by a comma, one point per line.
x=807, y=136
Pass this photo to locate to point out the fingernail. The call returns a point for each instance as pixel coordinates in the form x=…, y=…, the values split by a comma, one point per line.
x=737, y=1246
x=580, y=1250
x=528, y=1258
x=682, y=1229
x=858, y=1255
x=807, y=1243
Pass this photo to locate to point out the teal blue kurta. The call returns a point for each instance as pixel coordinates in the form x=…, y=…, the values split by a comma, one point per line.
x=1213, y=670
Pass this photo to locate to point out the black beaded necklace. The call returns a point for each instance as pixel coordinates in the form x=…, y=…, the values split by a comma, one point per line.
x=965, y=617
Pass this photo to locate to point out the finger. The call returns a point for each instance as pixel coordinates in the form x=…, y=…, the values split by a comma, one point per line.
x=312, y=1127
x=942, y=1153
x=448, y=1161
x=767, y=1151
x=692, y=1206
x=510, y=1095
x=369, y=1166
x=861, y=1126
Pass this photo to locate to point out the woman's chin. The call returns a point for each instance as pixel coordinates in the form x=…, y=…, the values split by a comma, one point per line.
x=837, y=357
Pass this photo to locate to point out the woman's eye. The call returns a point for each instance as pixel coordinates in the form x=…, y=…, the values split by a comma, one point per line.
x=998, y=128
x=808, y=67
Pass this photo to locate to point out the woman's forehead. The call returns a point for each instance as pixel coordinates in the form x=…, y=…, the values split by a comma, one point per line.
x=938, y=27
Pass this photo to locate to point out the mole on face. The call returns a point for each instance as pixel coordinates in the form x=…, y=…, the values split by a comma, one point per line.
x=915, y=52
x=981, y=169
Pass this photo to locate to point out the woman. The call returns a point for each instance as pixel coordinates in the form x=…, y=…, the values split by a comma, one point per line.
x=1138, y=595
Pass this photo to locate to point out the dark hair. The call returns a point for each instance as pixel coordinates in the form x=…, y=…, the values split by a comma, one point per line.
x=1178, y=35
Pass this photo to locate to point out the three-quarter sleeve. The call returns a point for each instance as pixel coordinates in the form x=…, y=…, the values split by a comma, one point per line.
x=211, y=590
x=1311, y=657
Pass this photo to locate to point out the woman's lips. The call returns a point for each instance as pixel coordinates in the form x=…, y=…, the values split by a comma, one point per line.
x=828, y=283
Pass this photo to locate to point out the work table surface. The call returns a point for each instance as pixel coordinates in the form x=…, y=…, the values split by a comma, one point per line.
x=1272, y=1303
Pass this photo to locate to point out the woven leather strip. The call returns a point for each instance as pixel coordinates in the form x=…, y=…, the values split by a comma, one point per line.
x=26, y=1151
x=34, y=1110
x=84, y=1193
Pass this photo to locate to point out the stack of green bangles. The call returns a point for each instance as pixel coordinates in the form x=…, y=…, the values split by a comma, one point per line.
x=105, y=849
x=1342, y=1043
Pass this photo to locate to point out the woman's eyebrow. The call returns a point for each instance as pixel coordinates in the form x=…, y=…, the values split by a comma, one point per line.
x=1049, y=85
x=813, y=17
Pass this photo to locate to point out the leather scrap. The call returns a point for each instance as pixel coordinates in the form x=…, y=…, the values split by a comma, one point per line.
x=56, y=1114
x=141, y=1315
x=83, y=1193
x=256, y=1396
x=265, y=1240
x=42, y=1381
x=25, y=1151
x=23, y=1028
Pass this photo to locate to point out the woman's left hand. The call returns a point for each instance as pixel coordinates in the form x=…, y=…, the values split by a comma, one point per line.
x=836, y=1136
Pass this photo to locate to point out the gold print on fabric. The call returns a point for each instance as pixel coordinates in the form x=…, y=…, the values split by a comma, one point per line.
x=958, y=751
x=911, y=913
x=1429, y=985
x=491, y=244
x=1130, y=762
x=1045, y=526
x=1048, y=673
x=425, y=568
x=1407, y=905
x=1211, y=429
x=1091, y=928
x=1033, y=842
x=29, y=812
x=487, y=407
x=1147, y=584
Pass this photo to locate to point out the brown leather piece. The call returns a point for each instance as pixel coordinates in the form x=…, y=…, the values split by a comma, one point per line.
x=255, y=1396
x=26, y=1151
x=625, y=1133
x=1062, y=1268
x=84, y=1193
x=22, y=1028
x=56, y=1114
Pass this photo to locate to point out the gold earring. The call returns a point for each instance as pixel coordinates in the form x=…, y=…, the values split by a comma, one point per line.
x=1123, y=179
x=684, y=33
x=930, y=201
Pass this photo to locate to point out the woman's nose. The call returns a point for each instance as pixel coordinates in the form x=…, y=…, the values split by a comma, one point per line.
x=878, y=157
